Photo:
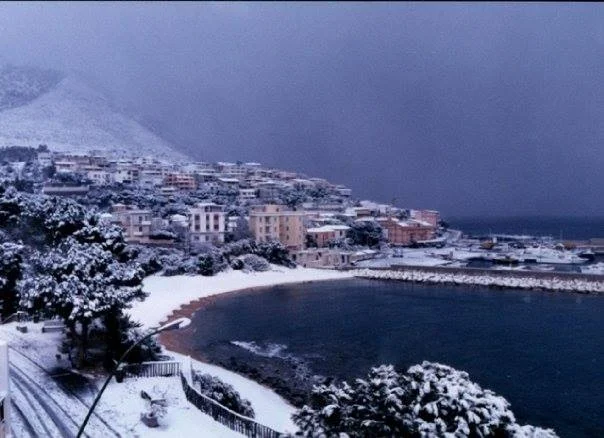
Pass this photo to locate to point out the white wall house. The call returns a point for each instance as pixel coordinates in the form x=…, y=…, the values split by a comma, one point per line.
x=5, y=431
x=207, y=223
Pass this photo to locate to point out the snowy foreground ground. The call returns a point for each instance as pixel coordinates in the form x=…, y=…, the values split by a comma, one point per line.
x=34, y=365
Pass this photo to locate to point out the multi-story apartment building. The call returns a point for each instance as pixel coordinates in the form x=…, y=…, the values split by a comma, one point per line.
x=181, y=181
x=136, y=223
x=247, y=194
x=326, y=233
x=430, y=216
x=98, y=176
x=277, y=222
x=406, y=232
x=127, y=175
x=151, y=177
x=207, y=222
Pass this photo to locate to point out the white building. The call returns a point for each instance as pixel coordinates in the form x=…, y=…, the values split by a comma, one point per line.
x=127, y=175
x=207, y=222
x=5, y=430
x=99, y=177
x=246, y=194
x=136, y=223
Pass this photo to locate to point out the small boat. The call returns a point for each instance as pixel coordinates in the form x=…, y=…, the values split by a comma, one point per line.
x=596, y=269
x=587, y=254
x=506, y=260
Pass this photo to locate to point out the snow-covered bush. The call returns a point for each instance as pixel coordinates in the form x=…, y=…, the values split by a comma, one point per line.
x=237, y=264
x=366, y=233
x=223, y=393
x=441, y=400
x=429, y=400
x=274, y=252
x=11, y=267
x=175, y=264
x=210, y=261
x=149, y=259
x=254, y=263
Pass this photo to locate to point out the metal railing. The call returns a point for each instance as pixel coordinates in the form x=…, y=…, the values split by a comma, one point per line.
x=151, y=369
x=225, y=416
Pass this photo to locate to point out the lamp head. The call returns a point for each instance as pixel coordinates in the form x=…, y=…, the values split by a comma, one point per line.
x=177, y=324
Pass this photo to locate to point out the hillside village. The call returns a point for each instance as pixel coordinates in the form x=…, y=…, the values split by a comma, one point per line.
x=189, y=205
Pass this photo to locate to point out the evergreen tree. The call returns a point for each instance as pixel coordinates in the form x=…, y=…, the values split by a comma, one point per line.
x=80, y=283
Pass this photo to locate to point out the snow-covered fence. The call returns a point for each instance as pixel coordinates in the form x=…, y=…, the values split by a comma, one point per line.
x=223, y=415
x=18, y=316
x=152, y=369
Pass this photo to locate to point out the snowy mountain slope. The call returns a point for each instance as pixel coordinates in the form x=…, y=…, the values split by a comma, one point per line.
x=20, y=85
x=70, y=116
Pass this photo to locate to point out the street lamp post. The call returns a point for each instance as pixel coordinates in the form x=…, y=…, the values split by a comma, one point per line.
x=177, y=324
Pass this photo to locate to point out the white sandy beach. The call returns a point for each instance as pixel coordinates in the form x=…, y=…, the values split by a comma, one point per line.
x=167, y=294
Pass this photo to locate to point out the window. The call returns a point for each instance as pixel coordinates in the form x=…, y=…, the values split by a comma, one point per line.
x=215, y=218
x=207, y=227
x=267, y=230
x=197, y=218
x=140, y=229
x=197, y=227
x=207, y=218
x=215, y=227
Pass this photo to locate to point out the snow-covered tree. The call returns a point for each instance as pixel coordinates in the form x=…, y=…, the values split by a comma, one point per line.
x=11, y=266
x=366, y=233
x=274, y=252
x=430, y=400
x=80, y=283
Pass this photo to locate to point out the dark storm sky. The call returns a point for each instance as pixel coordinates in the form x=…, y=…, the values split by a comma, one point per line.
x=468, y=108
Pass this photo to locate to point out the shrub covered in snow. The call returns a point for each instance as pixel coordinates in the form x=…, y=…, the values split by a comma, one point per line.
x=254, y=263
x=429, y=400
x=210, y=261
x=237, y=264
x=366, y=233
x=274, y=252
x=11, y=267
x=223, y=393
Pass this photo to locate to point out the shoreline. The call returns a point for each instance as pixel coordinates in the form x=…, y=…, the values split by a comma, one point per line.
x=274, y=378
x=175, y=342
x=169, y=297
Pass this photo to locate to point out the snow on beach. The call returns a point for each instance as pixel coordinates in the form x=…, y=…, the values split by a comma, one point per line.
x=166, y=294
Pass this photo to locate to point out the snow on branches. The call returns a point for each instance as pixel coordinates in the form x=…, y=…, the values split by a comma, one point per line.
x=80, y=282
x=429, y=400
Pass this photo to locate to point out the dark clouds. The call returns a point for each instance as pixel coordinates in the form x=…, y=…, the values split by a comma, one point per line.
x=467, y=108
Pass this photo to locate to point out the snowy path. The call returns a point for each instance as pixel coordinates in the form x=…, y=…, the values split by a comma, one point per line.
x=44, y=408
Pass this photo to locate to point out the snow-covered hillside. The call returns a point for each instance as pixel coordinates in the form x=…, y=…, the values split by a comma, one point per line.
x=66, y=114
